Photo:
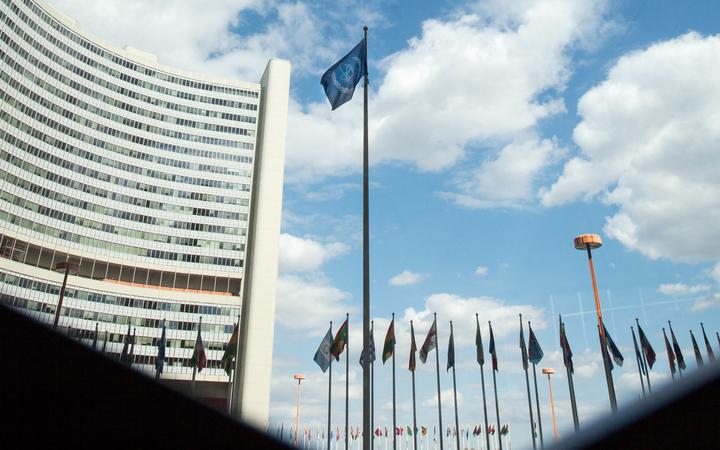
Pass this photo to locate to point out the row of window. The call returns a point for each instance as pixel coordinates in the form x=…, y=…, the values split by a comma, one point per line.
x=96, y=244
x=87, y=173
x=121, y=61
x=162, y=175
x=24, y=203
x=109, y=299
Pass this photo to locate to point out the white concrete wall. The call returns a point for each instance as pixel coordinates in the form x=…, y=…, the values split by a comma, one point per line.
x=252, y=399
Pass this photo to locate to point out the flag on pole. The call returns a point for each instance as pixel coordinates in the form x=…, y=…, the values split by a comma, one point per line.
x=696, y=349
x=711, y=354
x=430, y=343
x=671, y=354
x=423, y=430
x=95, y=337
x=338, y=345
x=647, y=349
x=638, y=357
x=322, y=355
x=505, y=429
x=478, y=344
x=160, y=359
x=230, y=350
x=565, y=345
x=676, y=349
x=409, y=431
x=413, y=349
x=131, y=354
x=389, y=346
x=105, y=342
x=198, y=358
x=523, y=349
x=535, y=353
x=126, y=347
x=492, y=350
x=451, y=351
x=372, y=350
x=340, y=79
x=613, y=349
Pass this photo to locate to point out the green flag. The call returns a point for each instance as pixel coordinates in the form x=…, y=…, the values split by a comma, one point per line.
x=341, y=337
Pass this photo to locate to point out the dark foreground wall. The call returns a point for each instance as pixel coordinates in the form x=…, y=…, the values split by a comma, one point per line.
x=57, y=393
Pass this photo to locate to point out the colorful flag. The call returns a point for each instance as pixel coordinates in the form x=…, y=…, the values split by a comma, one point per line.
x=565, y=345
x=389, y=346
x=161, y=345
x=339, y=81
x=638, y=357
x=491, y=349
x=676, y=349
x=413, y=349
x=671, y=354
x=451, y=351
x=613, y=349
x=423, y=430
x=230, y=350
x=696, y=349
x=535, y=353
x=478, y=344
x=523, y=349
x=711, y=354
x=198, y=358
x=505, y=429
x=322, y=355
x=650, y=355
x=409, y=431
x=430, y=343
x=338, y=345
x=378, y=432
x=372, y=350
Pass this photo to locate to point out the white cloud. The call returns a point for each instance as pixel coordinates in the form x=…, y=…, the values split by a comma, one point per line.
x=407, y=278
x=702, y=304
x=307, y=305
x=302, y=255
x=681, y=289
x=716, y=272
x=648, y=143
x=481, y=271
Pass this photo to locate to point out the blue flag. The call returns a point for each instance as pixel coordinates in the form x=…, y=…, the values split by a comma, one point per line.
x=322, y=355
x=340, y=80
x=535, y=353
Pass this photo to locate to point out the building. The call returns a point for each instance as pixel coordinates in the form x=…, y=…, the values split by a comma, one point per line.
x=164, y=187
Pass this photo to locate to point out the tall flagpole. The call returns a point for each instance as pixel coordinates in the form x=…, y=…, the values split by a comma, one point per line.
x=482, y=382
x=644, y=359
x=329, y=393
x=457, y=427
x=393, y=386
x=372, y=394
x=639, y=361
x=537, y=402
x=366, y=259
x=497, y=407
x=437, y=371
x=412, y=334
x=571, y=386
x=527, y=384
x=347, y=376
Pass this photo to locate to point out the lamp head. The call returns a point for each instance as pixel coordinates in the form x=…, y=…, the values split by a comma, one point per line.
x=299, y=376
x=548, y=371
x=582, y=241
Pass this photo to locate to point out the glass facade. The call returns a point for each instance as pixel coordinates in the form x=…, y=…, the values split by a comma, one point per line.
x=139, y=174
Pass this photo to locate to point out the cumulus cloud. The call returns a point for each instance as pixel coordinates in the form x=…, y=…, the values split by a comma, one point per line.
x=708, y=302
x=302, y=254
x=681, y=289
x=481, y=271
x=407, y=278
x=307, y=305
x=648, y=141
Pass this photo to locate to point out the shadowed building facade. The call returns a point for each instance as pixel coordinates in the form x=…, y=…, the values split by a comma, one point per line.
x=164, y=187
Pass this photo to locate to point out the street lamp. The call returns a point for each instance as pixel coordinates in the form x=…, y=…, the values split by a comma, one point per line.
x=588, y=242
x=299, y=377
x=548, y=371
x=67, y=267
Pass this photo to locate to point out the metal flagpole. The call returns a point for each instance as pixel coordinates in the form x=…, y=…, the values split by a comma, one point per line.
x=393, y=386
x=639, y=361
x=437, y=371
x=457, y=427
x=347, y=377
x=527, y=381
x=571, y=385
x=412, y=372
x=329, y=393
x=482, y=380
x=366, y=258
x=497, y=406
x=537, y=403
x=372, y=394
x=644, y=359
x=607, y=362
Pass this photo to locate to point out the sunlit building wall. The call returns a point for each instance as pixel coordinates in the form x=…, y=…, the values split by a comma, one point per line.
x=160, y=184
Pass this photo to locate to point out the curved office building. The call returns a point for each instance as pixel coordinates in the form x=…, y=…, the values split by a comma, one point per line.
x=163, y=187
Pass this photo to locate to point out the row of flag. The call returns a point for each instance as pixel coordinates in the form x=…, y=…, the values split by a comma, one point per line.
x=407, y=430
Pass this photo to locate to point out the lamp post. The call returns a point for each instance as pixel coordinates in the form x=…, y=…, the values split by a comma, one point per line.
x=299, y=377
x=588, y=242
x=67, y=267
x=548, y=371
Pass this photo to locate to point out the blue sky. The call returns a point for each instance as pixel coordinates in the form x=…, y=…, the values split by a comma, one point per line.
x=499, y=131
